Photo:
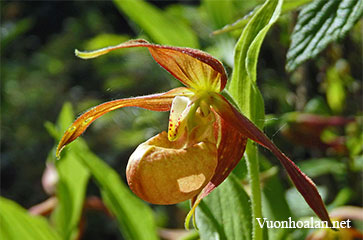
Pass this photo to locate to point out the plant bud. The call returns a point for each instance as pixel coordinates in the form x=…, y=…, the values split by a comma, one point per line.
x=164, y=172
x=50, y=179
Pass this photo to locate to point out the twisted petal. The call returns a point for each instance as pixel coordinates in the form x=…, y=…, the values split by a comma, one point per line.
x=302, y=182
x=155, y=102
x=194, y=68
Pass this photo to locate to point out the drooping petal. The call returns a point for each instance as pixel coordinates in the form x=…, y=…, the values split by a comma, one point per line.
x=230, y=151
x=302, y=182
x=155, y=102
x=194, y=68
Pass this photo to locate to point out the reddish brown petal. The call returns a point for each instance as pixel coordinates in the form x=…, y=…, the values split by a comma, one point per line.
x=303, y=183
x=155, y=102
x=192, y=67
x=230, y=151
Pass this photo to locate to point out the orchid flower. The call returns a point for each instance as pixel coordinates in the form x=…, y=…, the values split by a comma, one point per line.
x=206, y=135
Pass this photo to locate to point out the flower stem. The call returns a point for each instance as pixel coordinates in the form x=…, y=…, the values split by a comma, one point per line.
x=253, y=172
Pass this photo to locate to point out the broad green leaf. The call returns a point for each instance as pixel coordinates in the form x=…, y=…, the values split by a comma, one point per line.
x=72, y=183
x=162, y=28
x=244, y=90
x=71, y=190
x=225, y=213
x=320, y=23
x=16, y=223
x=243, y=86
x=135, y=218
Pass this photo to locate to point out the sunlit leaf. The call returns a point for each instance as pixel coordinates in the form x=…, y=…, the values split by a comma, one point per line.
x=17, y=223
x=220, y=12
x=162, y=29
x=288, y=5
x=335, y=92
x=105, y=40
x=320, y=23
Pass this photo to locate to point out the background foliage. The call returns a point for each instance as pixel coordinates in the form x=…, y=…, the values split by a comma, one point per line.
x=39, y=73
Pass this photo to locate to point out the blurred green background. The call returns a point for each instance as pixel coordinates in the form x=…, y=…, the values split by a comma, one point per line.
x=39, y=73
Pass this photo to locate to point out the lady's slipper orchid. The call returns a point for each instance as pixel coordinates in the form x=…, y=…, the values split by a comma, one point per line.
x=206, y=135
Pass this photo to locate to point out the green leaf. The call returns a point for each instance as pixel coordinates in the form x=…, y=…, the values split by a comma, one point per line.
x=135, y=218
x=220, y=12
x=245, y=92
x=65, y=119
x=297, y=203
x=72, y=183
x=225, y=213
x=320, y=23
x=335, y=92
x=293, y=4
x=102, y=40
x=287, y=6
x=71, y=190
x=243, y=84
x=239, y=24
x=16, y=223
x=162, y=28
x=320, y=166
x=13, y=31
x=342, y=198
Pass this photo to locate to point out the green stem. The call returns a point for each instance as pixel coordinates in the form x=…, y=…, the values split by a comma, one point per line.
x=254, y=177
